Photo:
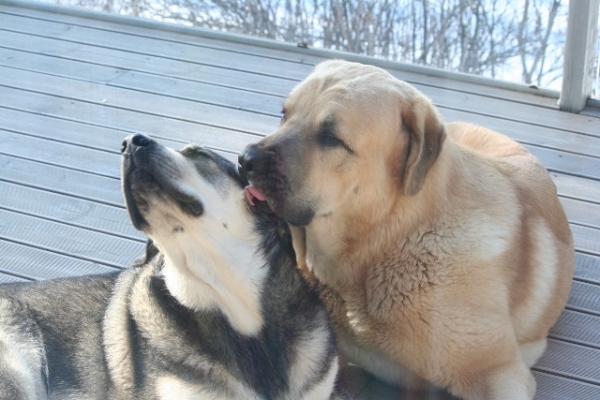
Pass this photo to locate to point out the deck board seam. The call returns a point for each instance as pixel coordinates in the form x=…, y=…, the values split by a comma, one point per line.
x=287, y=47
x=73, y=224
x=270, y=93
x=583, y=310
x=448, y=107
x=148, y=35
x=137, y=90
x=96, y=103
x=62, y=252
x=245, y=109
x=63, y=193
x=567, y=375
x=258, y=135
x=473, y=92
x=60, y=165
x=582, y=343
x=187, y=98
x=17, y=275
x=161, y=56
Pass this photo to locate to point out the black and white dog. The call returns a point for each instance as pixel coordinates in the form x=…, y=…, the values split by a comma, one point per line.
x=219, y=311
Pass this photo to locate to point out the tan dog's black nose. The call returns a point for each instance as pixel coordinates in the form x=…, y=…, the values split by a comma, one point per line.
x=133, y=142
x=250, y=160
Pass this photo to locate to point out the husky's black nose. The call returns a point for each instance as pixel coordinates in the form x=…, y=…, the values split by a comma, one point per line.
x=133, y=142
x=250, y=160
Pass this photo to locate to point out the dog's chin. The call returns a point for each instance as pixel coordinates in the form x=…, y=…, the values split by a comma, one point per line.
x=297, y=213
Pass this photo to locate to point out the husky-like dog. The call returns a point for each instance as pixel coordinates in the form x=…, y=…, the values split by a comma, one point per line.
x=218, y=312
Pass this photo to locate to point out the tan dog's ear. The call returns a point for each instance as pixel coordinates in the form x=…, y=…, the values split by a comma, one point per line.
x=426, y=137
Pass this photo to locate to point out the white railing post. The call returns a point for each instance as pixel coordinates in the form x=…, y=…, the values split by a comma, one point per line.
x=580, y=52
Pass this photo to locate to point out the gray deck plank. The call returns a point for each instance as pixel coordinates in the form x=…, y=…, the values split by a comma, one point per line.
x=567, y=163
x=585, y=298
x=116, y=76
x=68, y=240
x=493, y=107
x=37, y=264
x=68, y=210
x=118, y=111
x=552, y=387
x=8, y=278
x=576, y=187
x=528, y=134
x=126, y=99
x=579, y=328
x=128, y=121
x=142, y=45
x=150, y=63
x=582, y=212
x=61, y=154
x=587, y=240
x=56, y=179
x=571, y=361
x=301, y=57
x=587, y=267
x=62, y=120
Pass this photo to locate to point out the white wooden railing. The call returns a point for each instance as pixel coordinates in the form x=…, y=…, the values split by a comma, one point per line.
x=580, y=53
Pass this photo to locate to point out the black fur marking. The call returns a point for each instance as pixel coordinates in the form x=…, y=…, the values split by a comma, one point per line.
x=151, y=252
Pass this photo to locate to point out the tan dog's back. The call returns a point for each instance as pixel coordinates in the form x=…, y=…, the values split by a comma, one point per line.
x=538, y=198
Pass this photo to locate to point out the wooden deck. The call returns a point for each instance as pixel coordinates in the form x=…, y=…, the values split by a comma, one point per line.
x=73, y=84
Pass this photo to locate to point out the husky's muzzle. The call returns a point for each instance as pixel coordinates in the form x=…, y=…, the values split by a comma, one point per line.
x=149, y=169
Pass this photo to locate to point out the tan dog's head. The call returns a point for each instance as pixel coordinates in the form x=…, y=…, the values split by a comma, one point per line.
x=349, y=133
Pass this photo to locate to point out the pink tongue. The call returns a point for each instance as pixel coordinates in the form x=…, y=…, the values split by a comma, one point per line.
x=253, y=193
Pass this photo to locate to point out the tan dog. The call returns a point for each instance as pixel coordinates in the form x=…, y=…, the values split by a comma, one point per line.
x=444, y=249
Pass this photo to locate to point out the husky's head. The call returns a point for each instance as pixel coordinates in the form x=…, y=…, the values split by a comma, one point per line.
x=191, y=203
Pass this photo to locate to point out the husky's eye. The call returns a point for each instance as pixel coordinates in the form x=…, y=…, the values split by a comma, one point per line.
x=194, y=208
x=194, y=151
x=190, y=150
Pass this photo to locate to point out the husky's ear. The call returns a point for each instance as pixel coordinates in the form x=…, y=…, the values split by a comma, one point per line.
x=151, y=252
x=426, y=132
